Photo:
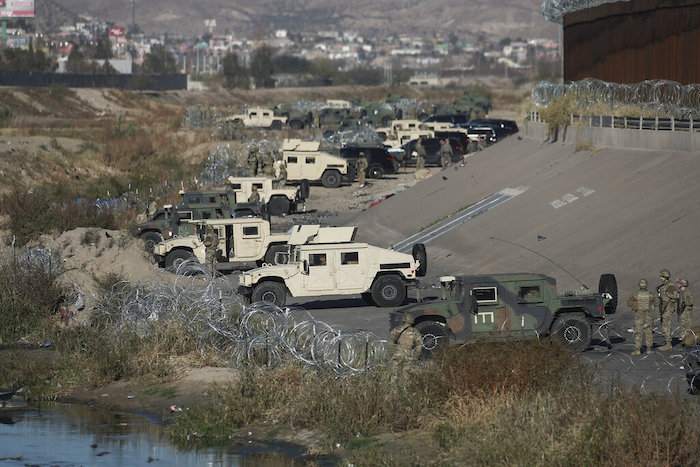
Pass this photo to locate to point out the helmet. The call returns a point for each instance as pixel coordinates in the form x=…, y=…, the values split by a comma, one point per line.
x=643, y=284
x=408, y=319
x=665, y=273
x=683, y=282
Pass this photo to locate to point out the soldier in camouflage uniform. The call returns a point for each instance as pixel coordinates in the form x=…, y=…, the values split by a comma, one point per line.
x=253, y=161
x=254, y=195
x=282, y=179
x=268, y=163
x=668, y=299
x=361, y=167
x=421, y=154
x=685, y=307
x=446, y=153
x=643, y=303
x=407, y=341
x=211, y=243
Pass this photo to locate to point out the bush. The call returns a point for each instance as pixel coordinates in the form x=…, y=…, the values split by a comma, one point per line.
x=6, y=117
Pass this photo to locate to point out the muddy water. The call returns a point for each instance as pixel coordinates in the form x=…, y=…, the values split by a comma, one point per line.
x=85, y=436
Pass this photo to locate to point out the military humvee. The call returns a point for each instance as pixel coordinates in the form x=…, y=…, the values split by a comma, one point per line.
x=402, y=131
x=279, y=199
x=510, y=306
x=206, y=204
x=306, y=162
x=241, y=242
x=328, y=262
x=258, y=117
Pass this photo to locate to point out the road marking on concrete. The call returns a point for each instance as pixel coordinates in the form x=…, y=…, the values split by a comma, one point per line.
x=458, y=219
x=570, y=198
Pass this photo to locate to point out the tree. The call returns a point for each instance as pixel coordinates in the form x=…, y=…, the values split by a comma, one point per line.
x=159, y=61
x=103, y=49
x=290, y=64
x=261, y=67
x=76, y=62
x=236, y=76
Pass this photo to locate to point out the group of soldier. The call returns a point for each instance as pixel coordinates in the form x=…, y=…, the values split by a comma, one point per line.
x=265, y=164
x=670, y=299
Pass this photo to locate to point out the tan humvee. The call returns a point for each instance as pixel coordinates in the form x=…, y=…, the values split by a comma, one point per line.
x=402, y=131
x=280, y=200
x=258, y=117
x=330, y=263
x=241, y=241
x=338, y=104
x=306, y=162
x=438, y=126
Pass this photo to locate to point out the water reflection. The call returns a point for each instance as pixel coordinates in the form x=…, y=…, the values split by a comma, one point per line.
x=80, y=435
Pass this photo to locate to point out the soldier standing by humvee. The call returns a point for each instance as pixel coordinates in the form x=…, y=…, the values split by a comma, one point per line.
x=643, y=303
x=446, y=153
x=211, y=242
x=152, y=207
x=254, y=195
x=282, y=179
x=361, y=167
x=253, y=161
x=685, y=307
x=407, y=340
x=421, y=154
x=668, y=296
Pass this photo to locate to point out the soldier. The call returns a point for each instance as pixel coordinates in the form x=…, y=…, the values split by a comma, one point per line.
x=361, y=167
x=473, y=146
x=211, y=243
x=254, y=195
x=420, y=151
x=253, y=161
x=446, y=153
x=668, y=298
x=685, y=307
x=407, y=340
x=643, y=303
x=482, y=143
x=152, y=207
x=282, y=179
x=268, y=163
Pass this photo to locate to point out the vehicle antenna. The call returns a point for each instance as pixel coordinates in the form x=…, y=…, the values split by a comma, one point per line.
x=543, y=256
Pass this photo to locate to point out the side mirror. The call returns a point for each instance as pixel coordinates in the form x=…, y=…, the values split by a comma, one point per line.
x=305, y=267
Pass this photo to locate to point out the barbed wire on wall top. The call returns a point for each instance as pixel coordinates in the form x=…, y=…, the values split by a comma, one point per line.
x=660, y=96
x=554, y=10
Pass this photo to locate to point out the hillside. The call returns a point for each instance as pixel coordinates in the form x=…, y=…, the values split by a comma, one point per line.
x=490, y=18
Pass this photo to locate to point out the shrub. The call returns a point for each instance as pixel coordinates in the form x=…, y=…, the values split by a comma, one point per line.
x=6, y=116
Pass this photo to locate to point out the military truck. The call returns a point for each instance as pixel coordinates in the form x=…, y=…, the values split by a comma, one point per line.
x=257, y=117
x=206, y=204
x=403, y=131
x=296, y=119
x=280, y=200
x=510, y=306
x=242, y=242
x=329, y=262
x=306, y=162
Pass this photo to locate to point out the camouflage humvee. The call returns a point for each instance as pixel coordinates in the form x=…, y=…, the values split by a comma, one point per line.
x=205, y=204
x=510, y=306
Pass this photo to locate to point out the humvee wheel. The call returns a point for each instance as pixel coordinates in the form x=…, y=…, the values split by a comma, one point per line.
x=608, y=284
x=278, y=206
x=238, y=123
x=296, y=125
x=572, y=331
x=435, y=337
x=272, y=252
x=376, y=171
x=151, y=239
x=421, y=256
x=175, y=258
x=388, y=291
x=276, y=125
x=331, y=179
x=271, y=292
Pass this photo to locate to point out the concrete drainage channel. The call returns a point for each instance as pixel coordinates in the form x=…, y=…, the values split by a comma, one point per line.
x=458, y=219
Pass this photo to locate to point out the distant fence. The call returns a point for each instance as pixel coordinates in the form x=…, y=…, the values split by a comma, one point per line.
x=628, y=123
x=164, y=82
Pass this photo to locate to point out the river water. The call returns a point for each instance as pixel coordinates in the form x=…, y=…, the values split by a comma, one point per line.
x=87, y=436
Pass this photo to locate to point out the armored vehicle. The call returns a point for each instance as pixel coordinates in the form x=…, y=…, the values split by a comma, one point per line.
x=279, y=200
x=241, y=242
x=306, y=162
x=258, y=117
x=296, y=119
x=207, y=204
x=402, y=131
x=328, y=262
x=510, y=306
